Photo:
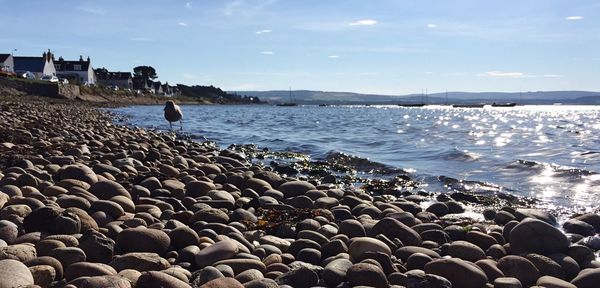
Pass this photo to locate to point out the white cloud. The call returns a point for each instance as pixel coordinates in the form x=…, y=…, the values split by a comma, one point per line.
x=366, y=22
x=503, y=74
x=263, y=31
x=140, y=39
x=574, y=18
x=182, y=24
x=267, y=52
x=333, y=56
x=554, y=76
x=431, y=25
x=188, y=5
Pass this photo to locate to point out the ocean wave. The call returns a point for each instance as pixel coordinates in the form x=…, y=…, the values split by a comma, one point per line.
x=455, y=155
x=479, y=187
x=552, y=169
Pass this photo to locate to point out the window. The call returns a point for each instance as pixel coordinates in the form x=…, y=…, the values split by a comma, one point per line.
x=57, y=66
x=77, y=67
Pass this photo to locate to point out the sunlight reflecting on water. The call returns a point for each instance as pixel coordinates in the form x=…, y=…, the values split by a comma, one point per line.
x=551, y=152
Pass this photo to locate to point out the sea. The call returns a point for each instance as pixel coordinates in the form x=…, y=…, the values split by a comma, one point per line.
x=549, y=153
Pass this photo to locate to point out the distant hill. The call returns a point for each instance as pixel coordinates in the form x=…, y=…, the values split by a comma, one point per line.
x=323, y=97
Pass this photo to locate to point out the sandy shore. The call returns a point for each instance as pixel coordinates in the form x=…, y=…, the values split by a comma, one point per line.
x=88, y=203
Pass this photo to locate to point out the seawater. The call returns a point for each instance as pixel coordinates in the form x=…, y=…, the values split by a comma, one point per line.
x=551, y=153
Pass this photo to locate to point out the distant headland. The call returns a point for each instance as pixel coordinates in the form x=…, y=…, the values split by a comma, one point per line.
x=348, y=98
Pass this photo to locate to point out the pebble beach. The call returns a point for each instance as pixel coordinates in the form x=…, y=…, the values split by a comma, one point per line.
x=86, y=202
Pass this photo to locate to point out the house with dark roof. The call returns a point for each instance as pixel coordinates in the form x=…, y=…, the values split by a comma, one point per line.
x=123, y=80
x=166, y=90
x=79, y=71
x=170, y=91
x=39, y=66
x=7, y=63
x=157, y=88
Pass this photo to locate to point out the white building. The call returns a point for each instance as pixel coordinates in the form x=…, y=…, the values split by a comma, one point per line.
x=76, y=71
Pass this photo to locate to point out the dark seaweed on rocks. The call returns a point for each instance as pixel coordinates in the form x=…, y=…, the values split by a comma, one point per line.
x=270, y=220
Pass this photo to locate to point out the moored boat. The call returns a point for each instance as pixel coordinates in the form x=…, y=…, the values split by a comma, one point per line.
x=411, y=104
x=290, y=103
x=468, y=105
x=508, y=104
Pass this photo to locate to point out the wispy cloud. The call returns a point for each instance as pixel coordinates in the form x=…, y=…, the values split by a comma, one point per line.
x=267, y=52
x=508, y=29
x=431, y=25
x=263, y=31
x=182, y=24
x=141, y=39
x=93, y=10
x=366, y=22
x=502, y=74
x=333, y=56
x=553, y=76
x=188, y=5
x=571, y=18
x=232, y=6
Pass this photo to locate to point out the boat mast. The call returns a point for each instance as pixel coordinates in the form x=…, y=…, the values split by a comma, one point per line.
x=521, y=96
x=446, y=97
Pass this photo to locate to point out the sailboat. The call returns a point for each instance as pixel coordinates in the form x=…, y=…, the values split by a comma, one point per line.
x=423, y=102
x=290, y=102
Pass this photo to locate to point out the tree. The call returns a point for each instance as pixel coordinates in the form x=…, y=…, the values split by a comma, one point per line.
x=145, y=72
x=101, y=73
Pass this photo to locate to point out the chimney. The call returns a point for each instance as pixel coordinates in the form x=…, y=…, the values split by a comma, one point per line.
x=80, y=58
x=88, y=59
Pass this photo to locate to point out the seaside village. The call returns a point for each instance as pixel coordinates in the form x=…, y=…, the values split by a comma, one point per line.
x=47, y=67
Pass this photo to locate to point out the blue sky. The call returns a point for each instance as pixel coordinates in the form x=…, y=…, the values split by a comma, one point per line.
x=368, y=46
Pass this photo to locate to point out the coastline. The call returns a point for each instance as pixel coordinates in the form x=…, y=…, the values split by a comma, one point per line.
x=98, y=95
x=104, y=203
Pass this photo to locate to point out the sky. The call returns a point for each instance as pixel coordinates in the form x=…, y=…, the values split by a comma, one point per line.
x=390, y=47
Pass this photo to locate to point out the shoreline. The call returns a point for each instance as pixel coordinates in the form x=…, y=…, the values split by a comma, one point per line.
x=105, y=203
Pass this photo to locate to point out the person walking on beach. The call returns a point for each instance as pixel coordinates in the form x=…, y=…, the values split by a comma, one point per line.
x=173, y=113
